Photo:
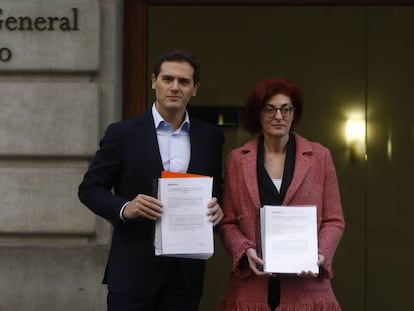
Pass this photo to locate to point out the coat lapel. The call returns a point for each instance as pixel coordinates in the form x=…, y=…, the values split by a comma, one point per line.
x=302, y=165
x=249, y=170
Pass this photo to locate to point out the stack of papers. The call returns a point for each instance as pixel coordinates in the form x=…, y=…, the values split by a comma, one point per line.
x=184, y=229
x=289, y=242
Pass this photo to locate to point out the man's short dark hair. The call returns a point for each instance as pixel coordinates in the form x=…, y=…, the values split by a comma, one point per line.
x=178, y=56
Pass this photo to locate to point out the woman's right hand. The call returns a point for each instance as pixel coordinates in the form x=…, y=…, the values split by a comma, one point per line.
x=255, y=261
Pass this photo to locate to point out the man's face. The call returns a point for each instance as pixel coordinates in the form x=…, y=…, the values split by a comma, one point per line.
x=174, y=87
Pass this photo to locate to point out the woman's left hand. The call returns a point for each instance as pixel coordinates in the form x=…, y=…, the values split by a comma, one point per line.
x=310, y=274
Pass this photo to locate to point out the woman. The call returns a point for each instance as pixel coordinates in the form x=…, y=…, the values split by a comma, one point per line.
x=278, y=167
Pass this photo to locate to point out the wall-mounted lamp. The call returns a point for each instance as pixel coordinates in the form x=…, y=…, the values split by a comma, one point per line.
x=355, y=138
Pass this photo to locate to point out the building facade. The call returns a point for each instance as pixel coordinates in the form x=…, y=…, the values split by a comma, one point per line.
x=68, y=68
x=60, y=85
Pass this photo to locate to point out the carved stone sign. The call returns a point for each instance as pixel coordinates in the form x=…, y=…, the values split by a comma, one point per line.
x=49, y=35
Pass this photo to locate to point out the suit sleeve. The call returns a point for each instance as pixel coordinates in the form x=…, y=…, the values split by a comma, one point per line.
x=217, y=170
x=95, y=191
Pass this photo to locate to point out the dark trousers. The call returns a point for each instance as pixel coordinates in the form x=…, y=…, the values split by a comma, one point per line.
x=274, y=292
x=172, y=296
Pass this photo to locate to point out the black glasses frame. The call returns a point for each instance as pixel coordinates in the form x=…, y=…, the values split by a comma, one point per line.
x=270, y=110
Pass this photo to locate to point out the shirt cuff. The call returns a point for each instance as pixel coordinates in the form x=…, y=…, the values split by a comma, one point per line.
x=122, y=211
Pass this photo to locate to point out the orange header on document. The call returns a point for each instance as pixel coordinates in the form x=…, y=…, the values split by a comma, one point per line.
x=165, y=174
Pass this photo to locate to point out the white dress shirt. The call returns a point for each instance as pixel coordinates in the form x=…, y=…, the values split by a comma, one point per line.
x=174, y=146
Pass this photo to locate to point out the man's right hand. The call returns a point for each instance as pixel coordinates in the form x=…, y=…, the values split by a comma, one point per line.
x=143, y=206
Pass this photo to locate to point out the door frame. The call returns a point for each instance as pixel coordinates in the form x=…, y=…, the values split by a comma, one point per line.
x=135, y=39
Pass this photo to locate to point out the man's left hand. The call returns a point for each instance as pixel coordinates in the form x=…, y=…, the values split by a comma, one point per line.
x=214, y=211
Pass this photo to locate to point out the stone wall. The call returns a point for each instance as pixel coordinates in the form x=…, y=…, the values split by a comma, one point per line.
x=60, y=86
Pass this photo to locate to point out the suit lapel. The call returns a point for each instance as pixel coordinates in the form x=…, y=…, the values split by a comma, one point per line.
x=195, y=151
x=198, y=147
x=149, y=143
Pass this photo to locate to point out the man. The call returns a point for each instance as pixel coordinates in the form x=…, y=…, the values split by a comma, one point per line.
x=119, y=186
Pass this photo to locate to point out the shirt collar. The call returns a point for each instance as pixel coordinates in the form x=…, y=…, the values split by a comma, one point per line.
x=159, y=120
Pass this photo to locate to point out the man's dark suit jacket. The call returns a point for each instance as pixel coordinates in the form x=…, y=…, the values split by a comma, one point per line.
x=129, y=162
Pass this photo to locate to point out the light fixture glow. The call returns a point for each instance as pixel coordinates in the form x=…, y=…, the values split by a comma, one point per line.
x=355, y=138
x=355, y=131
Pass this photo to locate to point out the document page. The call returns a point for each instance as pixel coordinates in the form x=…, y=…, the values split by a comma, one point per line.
x=289, y=239
x=184, y=229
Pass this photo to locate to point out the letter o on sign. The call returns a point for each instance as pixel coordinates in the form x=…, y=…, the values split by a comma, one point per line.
x=5, y=54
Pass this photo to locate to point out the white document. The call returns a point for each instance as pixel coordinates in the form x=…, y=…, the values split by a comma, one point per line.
x=184, y=229
x=289, y=239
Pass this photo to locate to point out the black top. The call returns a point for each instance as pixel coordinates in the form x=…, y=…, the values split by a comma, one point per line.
x=269, y=195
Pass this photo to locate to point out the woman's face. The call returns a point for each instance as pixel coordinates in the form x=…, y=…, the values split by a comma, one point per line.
x=277, y=116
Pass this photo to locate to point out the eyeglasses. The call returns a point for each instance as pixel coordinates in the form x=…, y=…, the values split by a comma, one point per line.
x=270, y=110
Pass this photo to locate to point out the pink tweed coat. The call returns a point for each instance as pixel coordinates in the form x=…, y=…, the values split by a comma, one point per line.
x=314, y=182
